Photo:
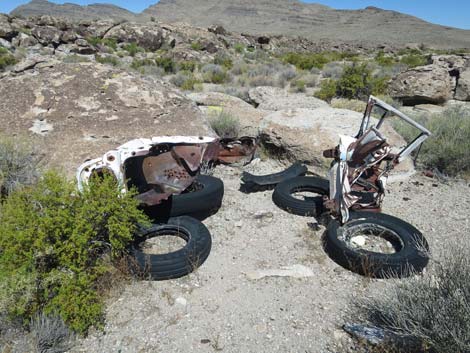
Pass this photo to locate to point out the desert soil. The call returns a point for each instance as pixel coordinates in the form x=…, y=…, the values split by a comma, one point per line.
x=221, y=307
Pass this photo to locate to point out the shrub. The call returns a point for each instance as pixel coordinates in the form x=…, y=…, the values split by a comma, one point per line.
x=357, y=82
x=107, y=59
x=332, y=70
x=384, y=60
x=166, y=64
x=138, y=63
x=189, y=65
x=6, y=59
x=413, y=60
x=224, y=61
x=307, y=61
x=327, y=90
x=224, y=124
x=185, y=80
x=213, y=73
x=447, y=150
x=299, y=86
x=72, y=59
x=239, y=48
x=133, y=48
x=55, y=244
x=50, y=334
x=196, y=45
x=93, y=40
x=110, y=43
x=433, y=308
x=18, y=165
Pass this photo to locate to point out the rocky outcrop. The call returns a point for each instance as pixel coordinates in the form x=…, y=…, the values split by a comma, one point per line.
x=423, y=84
x=462, y=91
x=274, y=98
x=148, y=37
x=77, y=111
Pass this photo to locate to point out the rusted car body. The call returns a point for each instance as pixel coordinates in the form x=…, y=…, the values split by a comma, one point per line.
x=362, y=163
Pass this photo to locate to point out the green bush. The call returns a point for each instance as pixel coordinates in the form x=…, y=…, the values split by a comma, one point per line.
x=6, y=59
x=413, y=60
x=327, y=90
x=198, y=46
x=239, y=48
x=224, y=61
x=299, y=86
x=56, y=245
x=93, y=40
x=133, y=49
x=166, y=64
x=307, y=61
x=187, y=65
x=138, y=63
x=110, y=43
x=213, y=73
x=448, y=148
x=18, y=165
x=384, y=60
x=434, y=309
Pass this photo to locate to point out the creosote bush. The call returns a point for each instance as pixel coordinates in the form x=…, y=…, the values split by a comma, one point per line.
x=433, y=309
x=448, y=148
x=56, y=244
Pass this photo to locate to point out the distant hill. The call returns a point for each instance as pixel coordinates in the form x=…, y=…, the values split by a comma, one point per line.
x=74, y=12
x=284, y=17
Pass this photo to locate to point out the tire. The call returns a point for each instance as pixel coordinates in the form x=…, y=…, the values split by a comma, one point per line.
x=411, y=248
x=180, y=262
x=205, y=200
x=282, y=195
x=200, y=204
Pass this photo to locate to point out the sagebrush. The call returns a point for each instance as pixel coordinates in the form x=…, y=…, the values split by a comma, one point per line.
x=433, y=309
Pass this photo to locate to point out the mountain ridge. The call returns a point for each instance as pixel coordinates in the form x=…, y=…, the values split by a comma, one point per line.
x=279, y=17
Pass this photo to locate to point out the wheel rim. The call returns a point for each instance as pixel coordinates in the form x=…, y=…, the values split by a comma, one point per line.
x=372, y=238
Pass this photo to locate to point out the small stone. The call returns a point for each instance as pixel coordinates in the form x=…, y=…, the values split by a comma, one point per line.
x=359, y=240
x=181, y=302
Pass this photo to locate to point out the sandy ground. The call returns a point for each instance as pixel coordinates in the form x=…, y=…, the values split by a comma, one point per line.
x=219, y=308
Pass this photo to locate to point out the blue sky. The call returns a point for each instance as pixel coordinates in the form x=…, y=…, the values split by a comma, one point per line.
x=455, y=13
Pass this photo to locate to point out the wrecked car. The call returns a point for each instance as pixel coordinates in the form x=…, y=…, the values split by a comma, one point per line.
x=352, y=197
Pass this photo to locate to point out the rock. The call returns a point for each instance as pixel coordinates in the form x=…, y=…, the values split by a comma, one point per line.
x=4, y=43
x=6, y=30
x=273, y=98
x=148, y=37
x=303, y=134
x=263, y=40
x=421, y=85
x=29, y=63
x=23, y=40
x=217, y=29
x=68, y=36
x=295, y=271
x=451, y=61
x=248, y=116
x=47, y=35
x=462, y=91
x=78, y=99
x=41, y=127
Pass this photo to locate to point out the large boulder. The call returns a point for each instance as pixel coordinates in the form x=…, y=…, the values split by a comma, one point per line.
x=212, y=103
x=462, y=91
x=146, y=36
x=47, y=35
x=274, y=98
x=7, y=31
x=303, y=134
x=424, y=84
x=73, y=112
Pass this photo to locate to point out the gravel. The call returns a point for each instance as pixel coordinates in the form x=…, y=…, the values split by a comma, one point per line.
x=220, y=308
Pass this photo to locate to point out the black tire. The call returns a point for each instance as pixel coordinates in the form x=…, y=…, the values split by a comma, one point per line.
x=180, y=262
x=313, y=206
x=411, y=248
x=200, y=204
x=205, y=200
